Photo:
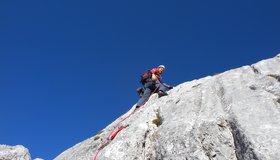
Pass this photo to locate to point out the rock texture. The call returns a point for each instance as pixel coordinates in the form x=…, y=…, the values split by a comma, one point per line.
x=229, y=116
x=14, y=153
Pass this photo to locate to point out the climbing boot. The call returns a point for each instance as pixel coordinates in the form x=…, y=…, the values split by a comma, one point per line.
x=162, y=93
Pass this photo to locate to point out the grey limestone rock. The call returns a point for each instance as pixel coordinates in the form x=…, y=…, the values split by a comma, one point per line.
x=234, y=115
x=14, y=153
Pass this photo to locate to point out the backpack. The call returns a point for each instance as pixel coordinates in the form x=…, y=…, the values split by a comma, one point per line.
x=147, y=75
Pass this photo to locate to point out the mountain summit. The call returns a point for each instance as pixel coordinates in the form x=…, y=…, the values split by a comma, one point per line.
x=228, y=116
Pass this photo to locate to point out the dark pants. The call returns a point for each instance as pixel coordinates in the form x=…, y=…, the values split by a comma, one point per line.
x=150, y=87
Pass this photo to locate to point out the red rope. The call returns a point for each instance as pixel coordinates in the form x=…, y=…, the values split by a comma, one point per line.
x=113, y=134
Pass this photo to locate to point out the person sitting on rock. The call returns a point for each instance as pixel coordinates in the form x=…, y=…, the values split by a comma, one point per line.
x=152, y=83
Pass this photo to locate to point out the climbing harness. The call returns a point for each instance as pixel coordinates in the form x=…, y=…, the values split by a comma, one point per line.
x=114, y=133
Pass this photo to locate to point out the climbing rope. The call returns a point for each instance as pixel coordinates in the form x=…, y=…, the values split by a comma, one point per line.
x=114, y=133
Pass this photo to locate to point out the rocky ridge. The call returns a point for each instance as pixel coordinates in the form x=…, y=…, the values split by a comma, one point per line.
x=228, y=116
x=14, y=153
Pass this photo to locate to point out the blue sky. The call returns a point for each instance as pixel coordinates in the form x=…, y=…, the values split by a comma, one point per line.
x=69, y=68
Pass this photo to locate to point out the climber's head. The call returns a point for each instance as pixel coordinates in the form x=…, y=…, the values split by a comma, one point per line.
x=161, y=69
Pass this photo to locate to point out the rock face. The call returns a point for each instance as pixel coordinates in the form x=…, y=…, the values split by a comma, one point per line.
x=14, y=153
x=229, y=116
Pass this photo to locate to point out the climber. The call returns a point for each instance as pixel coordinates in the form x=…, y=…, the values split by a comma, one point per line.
x=152, y=83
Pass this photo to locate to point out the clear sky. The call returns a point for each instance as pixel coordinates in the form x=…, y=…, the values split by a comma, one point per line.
x=69, y=68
